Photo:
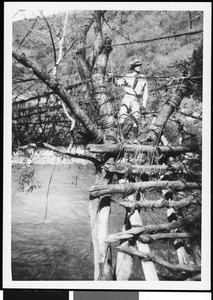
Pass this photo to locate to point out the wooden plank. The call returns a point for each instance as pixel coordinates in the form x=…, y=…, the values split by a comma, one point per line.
x=181, y=252
x=123, y=168
x=112, y=148
x=99, y=210
x=160, y=203
x=149, y=270
x=129, y=187
x=124, y=263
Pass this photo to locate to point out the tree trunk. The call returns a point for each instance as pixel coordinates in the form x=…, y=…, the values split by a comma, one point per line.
x=160, y=203
x=156, y=129
x=95, y=73
x=99, y=210
x=93, y=132
x=130, y=188
x=111, y=148
x=101, y=55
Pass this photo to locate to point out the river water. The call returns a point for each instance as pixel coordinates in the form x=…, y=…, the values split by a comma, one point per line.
x=51, y=238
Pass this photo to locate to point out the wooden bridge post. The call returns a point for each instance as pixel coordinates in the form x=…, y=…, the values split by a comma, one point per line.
x=99, y=210
x=125, y=261
x=181, y=251
x=149, y=270
x=156, y=129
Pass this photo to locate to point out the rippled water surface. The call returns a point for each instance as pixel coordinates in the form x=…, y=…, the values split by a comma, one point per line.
x=51, y=237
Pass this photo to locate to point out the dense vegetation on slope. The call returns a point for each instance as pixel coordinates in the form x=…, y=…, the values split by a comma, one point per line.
x=162, y=60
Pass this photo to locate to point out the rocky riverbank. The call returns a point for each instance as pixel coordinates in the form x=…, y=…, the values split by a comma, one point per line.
x=46, y=156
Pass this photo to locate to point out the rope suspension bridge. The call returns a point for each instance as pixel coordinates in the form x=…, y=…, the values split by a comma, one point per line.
x=129, y=171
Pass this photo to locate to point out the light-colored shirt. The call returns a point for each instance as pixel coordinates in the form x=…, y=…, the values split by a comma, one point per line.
x=141, y=88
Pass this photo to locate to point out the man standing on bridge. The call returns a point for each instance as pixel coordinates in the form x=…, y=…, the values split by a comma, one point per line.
x=135, y=98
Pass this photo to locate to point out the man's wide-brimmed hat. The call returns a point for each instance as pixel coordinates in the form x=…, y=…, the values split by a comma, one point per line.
x=135, y=63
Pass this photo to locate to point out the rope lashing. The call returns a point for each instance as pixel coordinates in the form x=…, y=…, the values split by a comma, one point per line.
x=98, y=139
x=130, y=190
x=184, y=184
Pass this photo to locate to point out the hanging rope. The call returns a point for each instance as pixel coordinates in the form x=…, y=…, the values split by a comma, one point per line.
x=159, y=38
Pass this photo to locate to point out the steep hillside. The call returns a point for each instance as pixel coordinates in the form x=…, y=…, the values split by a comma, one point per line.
x=121, y=27
x=133, y=34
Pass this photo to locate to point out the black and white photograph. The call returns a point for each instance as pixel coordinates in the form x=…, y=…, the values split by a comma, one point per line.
x=107, y=145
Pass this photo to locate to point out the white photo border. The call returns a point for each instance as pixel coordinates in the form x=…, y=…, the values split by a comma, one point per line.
x=10, y=8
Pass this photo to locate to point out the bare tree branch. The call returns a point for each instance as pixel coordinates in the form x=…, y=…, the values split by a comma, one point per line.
x=76, y=155
x=148, y=238
x=149, y=256
x=129, y=187
x=91, y=128
x=148, y=229
x=160, y=203
x=28, y=32
x=57, y=150
x=51, y=36
x=45, y=94
x=21, y=80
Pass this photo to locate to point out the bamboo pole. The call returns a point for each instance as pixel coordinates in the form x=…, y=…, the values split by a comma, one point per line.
x=93, y=213
x=99, y=210
x=181, y=251
x=105, y=259
x=149, y=270
x=124, y=263
x=178, y=243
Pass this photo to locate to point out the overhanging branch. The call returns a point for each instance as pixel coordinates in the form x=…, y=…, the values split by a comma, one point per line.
x=76, y=155
x=51, y=36
x=93, y=132
x=55, y=149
